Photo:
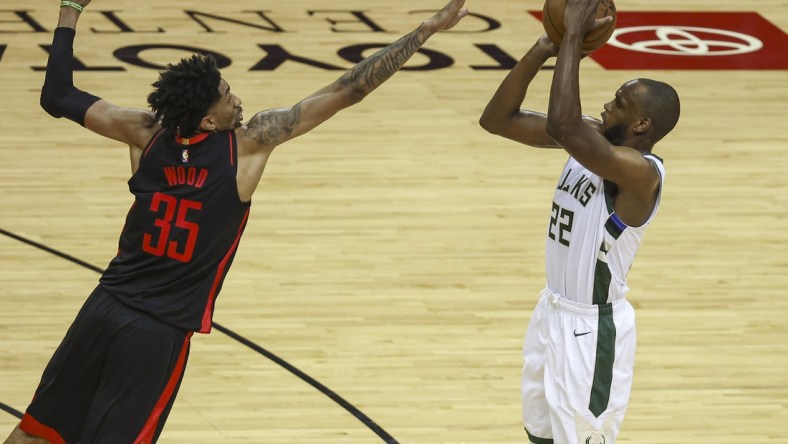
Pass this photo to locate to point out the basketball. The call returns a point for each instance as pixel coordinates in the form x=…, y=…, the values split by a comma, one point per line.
x=553, y=22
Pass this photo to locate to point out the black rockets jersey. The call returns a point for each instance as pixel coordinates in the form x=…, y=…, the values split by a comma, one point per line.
x=182, y=231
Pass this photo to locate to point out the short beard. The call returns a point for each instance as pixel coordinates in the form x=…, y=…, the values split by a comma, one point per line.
x=615, y=134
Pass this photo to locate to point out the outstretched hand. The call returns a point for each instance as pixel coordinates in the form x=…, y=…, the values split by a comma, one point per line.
x=447, y=17
x=580, y=16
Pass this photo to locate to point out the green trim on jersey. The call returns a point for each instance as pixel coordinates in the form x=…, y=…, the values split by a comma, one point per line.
x=605, y=354
x=536, y=440
x=602, y=277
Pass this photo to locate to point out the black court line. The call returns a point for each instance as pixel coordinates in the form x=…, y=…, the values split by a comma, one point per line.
x=51, y=250
x=11, y=410
x=372, y=425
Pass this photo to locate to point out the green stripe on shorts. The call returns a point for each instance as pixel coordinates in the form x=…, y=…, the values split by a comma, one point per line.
x=605, y=354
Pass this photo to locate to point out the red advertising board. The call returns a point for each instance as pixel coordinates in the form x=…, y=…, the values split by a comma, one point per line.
x=693, y=40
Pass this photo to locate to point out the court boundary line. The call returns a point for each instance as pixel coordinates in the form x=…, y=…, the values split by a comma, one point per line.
x=7, y=408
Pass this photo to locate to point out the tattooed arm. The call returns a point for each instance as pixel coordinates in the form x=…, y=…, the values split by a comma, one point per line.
x=273, y=127
x=270, y=128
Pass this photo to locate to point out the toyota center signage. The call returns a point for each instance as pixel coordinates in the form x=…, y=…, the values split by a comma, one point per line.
x=642, y=40
x=693, y=40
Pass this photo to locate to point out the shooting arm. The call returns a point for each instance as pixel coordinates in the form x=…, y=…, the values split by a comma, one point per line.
x=636, y=177
x=503, y=115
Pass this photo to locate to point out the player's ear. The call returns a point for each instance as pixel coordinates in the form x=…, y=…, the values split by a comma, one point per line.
x=207, y=124
x=642, y=126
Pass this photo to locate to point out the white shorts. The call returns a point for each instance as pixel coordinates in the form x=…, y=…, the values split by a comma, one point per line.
x=577, y=370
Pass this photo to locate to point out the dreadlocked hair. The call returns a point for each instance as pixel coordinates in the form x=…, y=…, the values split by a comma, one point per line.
x=185, y=92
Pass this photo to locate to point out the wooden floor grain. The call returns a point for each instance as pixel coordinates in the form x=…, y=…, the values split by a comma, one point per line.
x=395, y=253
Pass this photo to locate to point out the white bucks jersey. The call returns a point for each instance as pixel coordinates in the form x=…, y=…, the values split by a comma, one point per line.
x=589, y=249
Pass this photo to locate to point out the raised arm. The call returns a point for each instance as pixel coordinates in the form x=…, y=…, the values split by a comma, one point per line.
x=503, y=115
x=60, y=98
x=268, y=129
x=636, y=177
x=273, y=127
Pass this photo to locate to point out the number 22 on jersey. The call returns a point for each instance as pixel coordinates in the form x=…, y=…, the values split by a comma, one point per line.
x=561, y=224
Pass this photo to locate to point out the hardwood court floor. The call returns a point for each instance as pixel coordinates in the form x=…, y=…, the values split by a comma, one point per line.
x=395, y=253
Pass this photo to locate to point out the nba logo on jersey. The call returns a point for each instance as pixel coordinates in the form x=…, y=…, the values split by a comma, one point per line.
x=184, y=156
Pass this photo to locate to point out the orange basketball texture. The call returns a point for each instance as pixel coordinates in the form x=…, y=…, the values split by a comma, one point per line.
x=553, y=22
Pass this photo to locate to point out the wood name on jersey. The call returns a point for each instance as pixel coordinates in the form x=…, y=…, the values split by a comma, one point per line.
x=181, y=175
x=582, y=189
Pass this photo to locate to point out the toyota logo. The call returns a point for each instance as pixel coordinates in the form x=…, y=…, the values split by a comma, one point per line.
x=684, y=40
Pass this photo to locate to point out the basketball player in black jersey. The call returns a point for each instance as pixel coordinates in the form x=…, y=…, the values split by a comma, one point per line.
x=195, y=165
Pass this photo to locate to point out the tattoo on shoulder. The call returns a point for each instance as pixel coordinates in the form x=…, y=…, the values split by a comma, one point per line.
x=274, y=126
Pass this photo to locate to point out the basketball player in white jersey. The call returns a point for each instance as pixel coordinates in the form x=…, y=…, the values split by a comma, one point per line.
x=580, y=345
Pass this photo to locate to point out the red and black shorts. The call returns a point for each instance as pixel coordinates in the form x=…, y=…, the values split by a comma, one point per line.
x=113, y=379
